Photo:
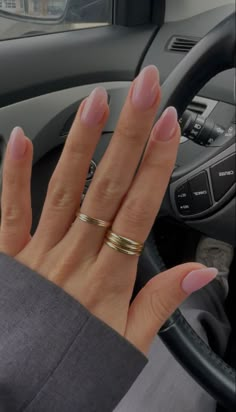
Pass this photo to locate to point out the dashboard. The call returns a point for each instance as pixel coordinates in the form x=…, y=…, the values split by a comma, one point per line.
x=183, y=9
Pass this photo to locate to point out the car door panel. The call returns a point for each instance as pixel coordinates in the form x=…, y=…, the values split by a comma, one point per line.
x=37, y=65
x=44, y=118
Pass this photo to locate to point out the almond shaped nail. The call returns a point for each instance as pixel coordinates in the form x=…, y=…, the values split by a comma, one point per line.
x=95, y=107
x=165, y=128
x=197, y=279
x=146, y=88
x=17, y=144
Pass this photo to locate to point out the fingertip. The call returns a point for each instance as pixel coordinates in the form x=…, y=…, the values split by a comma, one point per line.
x=166, y=128
x=185, y=268
x=175, y=276
x=17, y=144
x=145, y=89
x=197, y=279
x=94, y=109
x=17, y=130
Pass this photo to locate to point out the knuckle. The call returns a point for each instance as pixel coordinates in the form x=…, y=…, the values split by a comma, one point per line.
x=9, y=179
x=108, y=188
x=136, y=212
x=163, y=165
x=11, y=214
x=76, y=149
x=59, y=274
x=128, y=132
x=60, y=197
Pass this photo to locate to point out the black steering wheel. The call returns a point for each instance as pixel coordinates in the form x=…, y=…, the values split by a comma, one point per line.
x=213, y=54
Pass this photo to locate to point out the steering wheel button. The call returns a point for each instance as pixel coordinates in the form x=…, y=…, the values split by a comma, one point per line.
x=197, y=128
x=187, y=121
x=223, y=176
x=230, y=132
x=201, y=197
x=183, y=199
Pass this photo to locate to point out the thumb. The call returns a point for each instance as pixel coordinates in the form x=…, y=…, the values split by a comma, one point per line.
x=160, y=298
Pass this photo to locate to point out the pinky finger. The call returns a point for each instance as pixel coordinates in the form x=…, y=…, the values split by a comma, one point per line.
x=16, y=214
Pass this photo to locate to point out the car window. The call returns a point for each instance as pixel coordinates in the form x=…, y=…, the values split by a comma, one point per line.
x=20, y=18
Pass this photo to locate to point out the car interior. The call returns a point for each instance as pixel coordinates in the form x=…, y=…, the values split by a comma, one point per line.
x=48, y=67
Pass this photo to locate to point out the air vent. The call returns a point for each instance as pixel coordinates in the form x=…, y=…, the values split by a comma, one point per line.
x=182, y=44
x=197, y=107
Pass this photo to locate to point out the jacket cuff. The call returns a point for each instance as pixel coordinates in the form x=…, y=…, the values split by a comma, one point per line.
x=55, y=355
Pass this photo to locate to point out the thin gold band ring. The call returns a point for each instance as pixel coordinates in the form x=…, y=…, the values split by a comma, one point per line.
x=93, y=221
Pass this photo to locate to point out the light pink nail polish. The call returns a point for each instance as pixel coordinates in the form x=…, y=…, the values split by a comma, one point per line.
x=198, y=279
x=165, y=128
x=95, y=107
x=146, y=88
x=17, y=144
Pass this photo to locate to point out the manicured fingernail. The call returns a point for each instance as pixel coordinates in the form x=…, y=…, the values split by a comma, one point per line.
x=198, y=279
x=146, y=88
x=17, y=144
x=165, y=128
x=95, y=107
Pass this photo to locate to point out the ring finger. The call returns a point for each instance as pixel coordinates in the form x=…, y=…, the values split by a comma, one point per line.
x=141, y=205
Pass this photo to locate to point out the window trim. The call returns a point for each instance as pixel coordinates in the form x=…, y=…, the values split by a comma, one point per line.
x=138, y=12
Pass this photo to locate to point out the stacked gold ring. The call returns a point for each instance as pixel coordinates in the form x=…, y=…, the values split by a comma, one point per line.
x=123, y=244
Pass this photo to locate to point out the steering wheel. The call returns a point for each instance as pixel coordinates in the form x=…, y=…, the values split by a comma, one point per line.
x=213, y=54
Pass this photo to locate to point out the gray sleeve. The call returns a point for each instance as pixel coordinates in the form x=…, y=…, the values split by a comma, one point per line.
x=55, y=355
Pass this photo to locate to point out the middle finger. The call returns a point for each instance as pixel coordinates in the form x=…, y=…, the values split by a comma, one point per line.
x=116, y=171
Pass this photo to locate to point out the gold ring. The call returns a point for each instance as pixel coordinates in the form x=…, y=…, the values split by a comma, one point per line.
x=93, y=221
x=123, y=244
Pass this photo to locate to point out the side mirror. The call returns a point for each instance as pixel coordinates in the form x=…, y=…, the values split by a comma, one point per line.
x=43, y=11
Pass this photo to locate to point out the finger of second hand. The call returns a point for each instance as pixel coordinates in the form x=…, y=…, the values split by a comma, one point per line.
x=68, y=180
x=16, y=215
x=142, y=203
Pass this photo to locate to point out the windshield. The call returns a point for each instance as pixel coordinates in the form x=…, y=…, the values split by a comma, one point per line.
x=20, y=18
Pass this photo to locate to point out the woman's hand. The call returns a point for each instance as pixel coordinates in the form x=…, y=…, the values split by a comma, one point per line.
x=73, y=253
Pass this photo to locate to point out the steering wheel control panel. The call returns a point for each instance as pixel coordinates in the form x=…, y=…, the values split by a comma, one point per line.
x=194, y=196
x=203, y=131
x=207, y=188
